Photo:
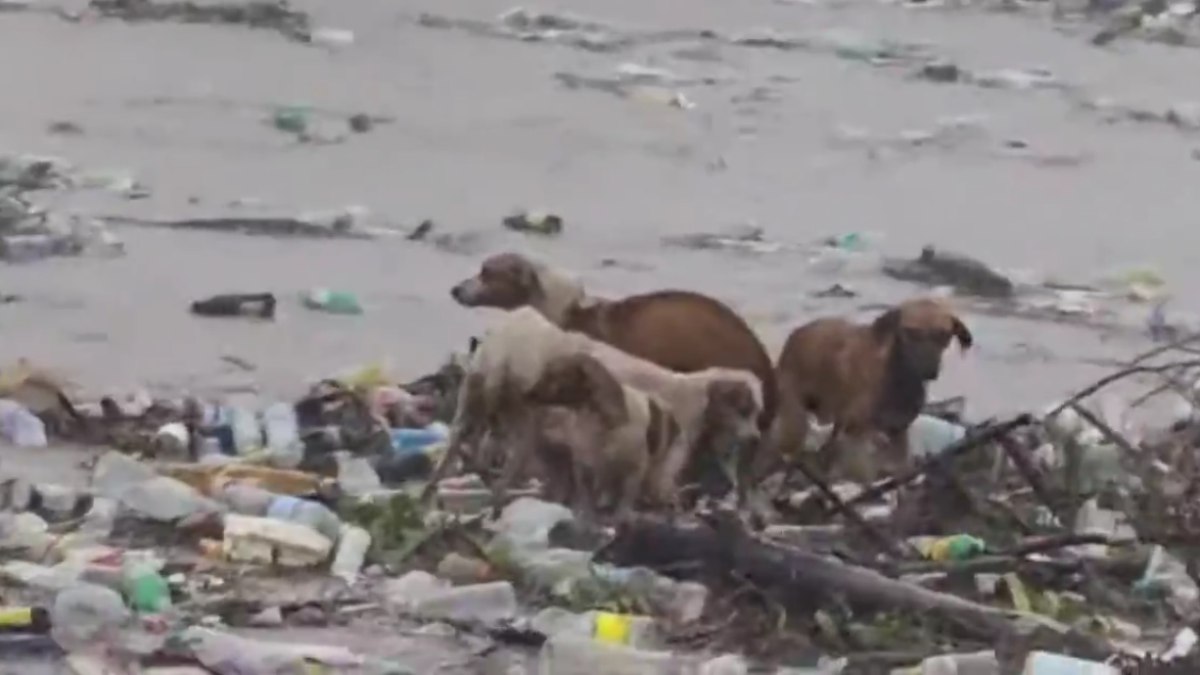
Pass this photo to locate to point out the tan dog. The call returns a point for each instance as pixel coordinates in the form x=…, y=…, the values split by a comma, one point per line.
x=717, y=410
x=512, y=358
x=619, y=436
x=864, y=380
x=507, y=363
x=681, y=331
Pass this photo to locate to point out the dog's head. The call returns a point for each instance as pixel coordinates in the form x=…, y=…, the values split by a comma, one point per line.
x=919, y=331
x=505, y=281
x=579, y=380
x=731, y=422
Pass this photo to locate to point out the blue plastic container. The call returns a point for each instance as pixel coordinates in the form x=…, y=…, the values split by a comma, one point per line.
x=410, y=440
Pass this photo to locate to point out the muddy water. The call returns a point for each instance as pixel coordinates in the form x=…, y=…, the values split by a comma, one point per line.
x=482, y=126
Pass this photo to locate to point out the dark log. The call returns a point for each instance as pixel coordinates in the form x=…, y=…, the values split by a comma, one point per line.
x=796, y=577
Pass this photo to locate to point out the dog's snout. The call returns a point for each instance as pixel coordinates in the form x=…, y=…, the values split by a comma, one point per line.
x=464, y=292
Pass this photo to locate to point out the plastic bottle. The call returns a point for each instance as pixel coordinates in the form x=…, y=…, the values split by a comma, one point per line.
x=30, y=247
x=568, y=654
x=247, y=433
x=144, y=588
x=333, y=302
x=21, y=427
x=173, y=440
x=86, y=614
x=116, y=473
x=166, y=499
x=306, y=512
x=261, y=305
x=1045, y=663
x=24, y=620
x=355, y=474
x=976, y=663
x=417, y=439
x=284, y=446
x=351, y=552
x=491, y=602
x=246, y=499
x=929, y=435
x=535, y=222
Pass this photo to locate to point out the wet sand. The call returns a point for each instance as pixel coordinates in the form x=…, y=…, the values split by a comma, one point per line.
x=482, y=126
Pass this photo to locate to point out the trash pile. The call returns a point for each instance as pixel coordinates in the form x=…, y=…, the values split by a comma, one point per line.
x=30, y=232
x=1065, y=542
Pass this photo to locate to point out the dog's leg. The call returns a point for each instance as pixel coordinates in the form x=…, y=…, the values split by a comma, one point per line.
x=463, y=428
x=627, y=487
x=583, y=493
x=785, y=440
x=521, y=434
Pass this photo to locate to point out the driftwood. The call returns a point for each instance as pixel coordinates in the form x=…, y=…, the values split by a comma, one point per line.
x=799, y=578
x=976, y=437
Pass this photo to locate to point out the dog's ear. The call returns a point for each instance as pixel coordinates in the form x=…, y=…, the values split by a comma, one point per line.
x=527, y=275
x=964, y=337
x=886, y=324
x=607, y=394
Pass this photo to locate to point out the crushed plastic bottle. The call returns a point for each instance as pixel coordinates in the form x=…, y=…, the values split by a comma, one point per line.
x=166, y=499
x=1166, y=576
x=227, y=653
x=116, y=472
x=21, y=427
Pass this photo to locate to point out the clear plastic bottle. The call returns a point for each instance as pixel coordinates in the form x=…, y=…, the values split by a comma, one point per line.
x=351, y=552
x=84, y=615
x=356, y=476
x=306, y=512
x=490, y=602
x=246, y=499
x=21, y=427
x=247, y=433
x=145, y=589
x=569, y=654
x=284, y=446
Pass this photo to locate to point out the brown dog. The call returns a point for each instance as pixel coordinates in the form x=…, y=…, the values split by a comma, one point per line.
x=679, y=330
x=617, y=438
x=862, y=379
